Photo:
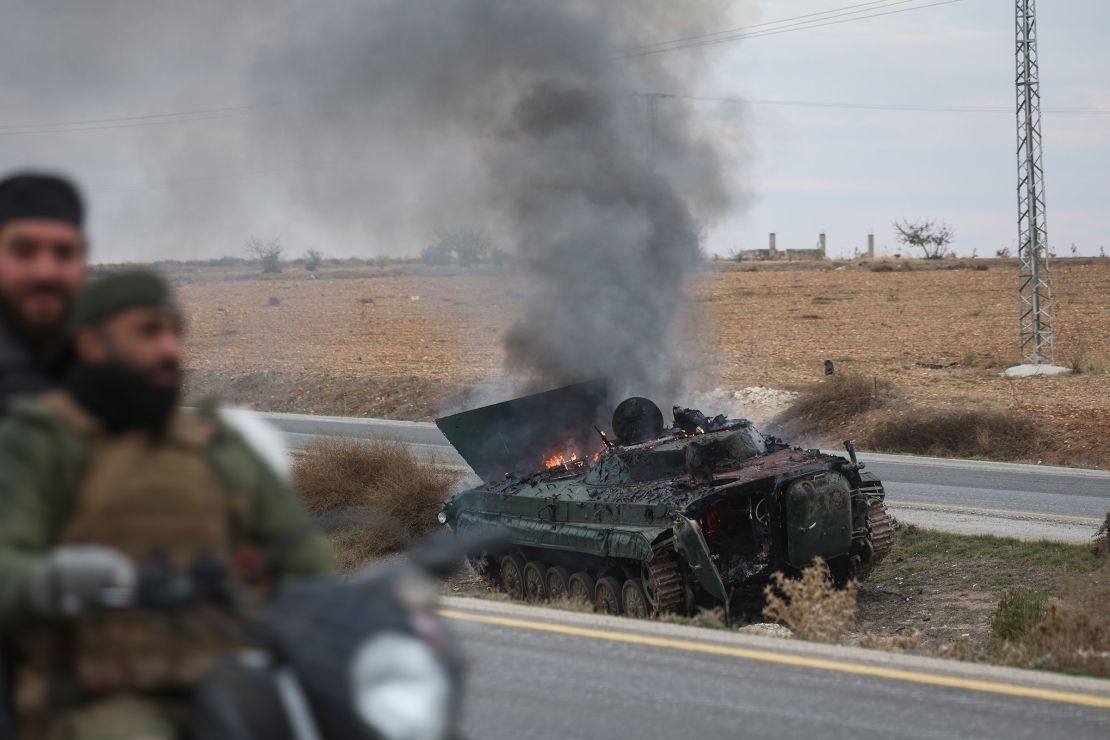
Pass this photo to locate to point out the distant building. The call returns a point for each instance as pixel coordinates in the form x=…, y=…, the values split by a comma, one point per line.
x=773, y=253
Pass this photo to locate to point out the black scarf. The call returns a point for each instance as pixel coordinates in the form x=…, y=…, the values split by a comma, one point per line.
x=122, y=399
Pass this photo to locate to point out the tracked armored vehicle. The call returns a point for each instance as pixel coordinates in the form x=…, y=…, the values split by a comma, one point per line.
x=655, y=519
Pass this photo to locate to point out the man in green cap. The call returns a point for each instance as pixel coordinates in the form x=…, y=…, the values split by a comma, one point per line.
x=109, y=474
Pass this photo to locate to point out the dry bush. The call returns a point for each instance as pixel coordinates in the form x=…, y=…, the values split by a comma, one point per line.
x=958, y=649
x=896, y=642
x=812, y=606
x=1018, y=612
x=1074, y=635
x=1100, y=543
x=999, y=435
x=830, y=401
x=377, y=495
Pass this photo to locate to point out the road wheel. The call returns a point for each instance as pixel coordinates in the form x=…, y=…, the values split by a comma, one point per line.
x=512, y=576
x=558, y=582
x=635, y=600
x=580, y=587
x=607, y=596
x=535, y=583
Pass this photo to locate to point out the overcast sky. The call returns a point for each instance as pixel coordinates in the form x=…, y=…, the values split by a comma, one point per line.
x=851, y=171
x=802, y=169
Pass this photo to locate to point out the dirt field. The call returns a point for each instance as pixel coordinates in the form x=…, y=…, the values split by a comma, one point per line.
x=407, y=341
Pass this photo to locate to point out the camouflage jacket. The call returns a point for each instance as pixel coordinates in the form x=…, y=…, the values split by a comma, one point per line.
x=41, y=464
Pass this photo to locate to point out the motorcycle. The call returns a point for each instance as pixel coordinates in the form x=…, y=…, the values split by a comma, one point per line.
x=359, y=659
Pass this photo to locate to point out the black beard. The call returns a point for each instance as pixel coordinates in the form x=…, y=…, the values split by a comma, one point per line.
x=122, y=399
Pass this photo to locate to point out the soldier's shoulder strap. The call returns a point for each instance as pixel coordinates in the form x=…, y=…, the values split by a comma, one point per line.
x=55, y=411
x=58, y=407
x=60, y=422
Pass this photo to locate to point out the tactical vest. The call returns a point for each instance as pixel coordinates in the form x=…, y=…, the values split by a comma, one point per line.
x=145, y=498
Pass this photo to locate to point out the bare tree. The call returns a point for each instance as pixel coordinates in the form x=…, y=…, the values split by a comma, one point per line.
x=465, y=247
x=313, y=258
x=267, y=253
x=931, y=237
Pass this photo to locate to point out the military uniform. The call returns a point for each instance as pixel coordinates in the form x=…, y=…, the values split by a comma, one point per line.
x=24, y=372
x=198, y=489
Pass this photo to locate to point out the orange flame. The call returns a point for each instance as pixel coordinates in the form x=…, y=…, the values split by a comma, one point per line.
x=562, y=460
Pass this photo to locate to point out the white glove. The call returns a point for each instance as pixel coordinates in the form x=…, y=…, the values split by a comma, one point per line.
x=73, y=578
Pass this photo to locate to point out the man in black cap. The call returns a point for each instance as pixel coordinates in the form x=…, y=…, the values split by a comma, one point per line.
x=42, y=266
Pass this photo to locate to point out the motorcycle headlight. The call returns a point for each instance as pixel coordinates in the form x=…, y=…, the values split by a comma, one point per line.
x=401, y=689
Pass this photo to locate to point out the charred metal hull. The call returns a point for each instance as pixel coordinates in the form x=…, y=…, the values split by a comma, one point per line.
x=692, y=516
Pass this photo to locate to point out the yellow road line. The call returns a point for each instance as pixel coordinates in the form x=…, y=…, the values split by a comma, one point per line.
x=1102, y=702
x=976, y=510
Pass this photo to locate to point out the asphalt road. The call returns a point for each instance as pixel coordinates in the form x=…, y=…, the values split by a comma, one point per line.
x=540, y=673
x=1028, y=501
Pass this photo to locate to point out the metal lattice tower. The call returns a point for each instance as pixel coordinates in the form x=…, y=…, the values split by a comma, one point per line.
x=1033, y=276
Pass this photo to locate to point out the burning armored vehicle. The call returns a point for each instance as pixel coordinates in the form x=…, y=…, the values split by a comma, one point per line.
x=656, y=519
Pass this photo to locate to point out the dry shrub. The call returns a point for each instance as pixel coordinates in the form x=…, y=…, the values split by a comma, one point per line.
x=891, y=642
x=1074, y=635
x=1018, y=612
x=1100, y=543
x=832, y=400
x=1000, y=435
x=377, y=495
x=958, y=649
x=812, y=606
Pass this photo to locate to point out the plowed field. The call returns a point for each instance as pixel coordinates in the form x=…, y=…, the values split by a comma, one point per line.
x=407, y=341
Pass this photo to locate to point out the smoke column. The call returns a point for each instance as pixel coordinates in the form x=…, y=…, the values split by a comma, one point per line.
x=525, y=118
x=363, y=127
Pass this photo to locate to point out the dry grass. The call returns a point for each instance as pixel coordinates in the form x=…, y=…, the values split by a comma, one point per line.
x=892, y=642
x=962, y=432
x=982, y=361
x=812, y=606
x=830, y=401
x=959, y=649
x=377, y=495
x=1074, y=633
x=1018, y=612
x=1100, y=543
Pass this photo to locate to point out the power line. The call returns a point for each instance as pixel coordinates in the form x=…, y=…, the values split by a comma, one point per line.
x=84, y=121
x=152, y=119
x=740, y=29
x=786, y=29
x=1075, y=110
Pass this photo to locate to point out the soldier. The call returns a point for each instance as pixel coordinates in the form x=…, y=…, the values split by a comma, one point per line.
x=98, y=477
x=42, y=265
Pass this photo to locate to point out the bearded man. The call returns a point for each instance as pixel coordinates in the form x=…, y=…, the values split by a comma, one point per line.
x=42, y=266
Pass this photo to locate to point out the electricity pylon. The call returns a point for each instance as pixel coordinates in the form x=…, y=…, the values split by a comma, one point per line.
x=1035, y=287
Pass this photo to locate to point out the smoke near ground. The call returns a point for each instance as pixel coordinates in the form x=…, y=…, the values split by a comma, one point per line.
x=366, y=127
x=527, y=119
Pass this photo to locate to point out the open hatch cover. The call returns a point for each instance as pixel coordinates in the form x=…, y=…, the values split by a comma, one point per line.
x=514, y=436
